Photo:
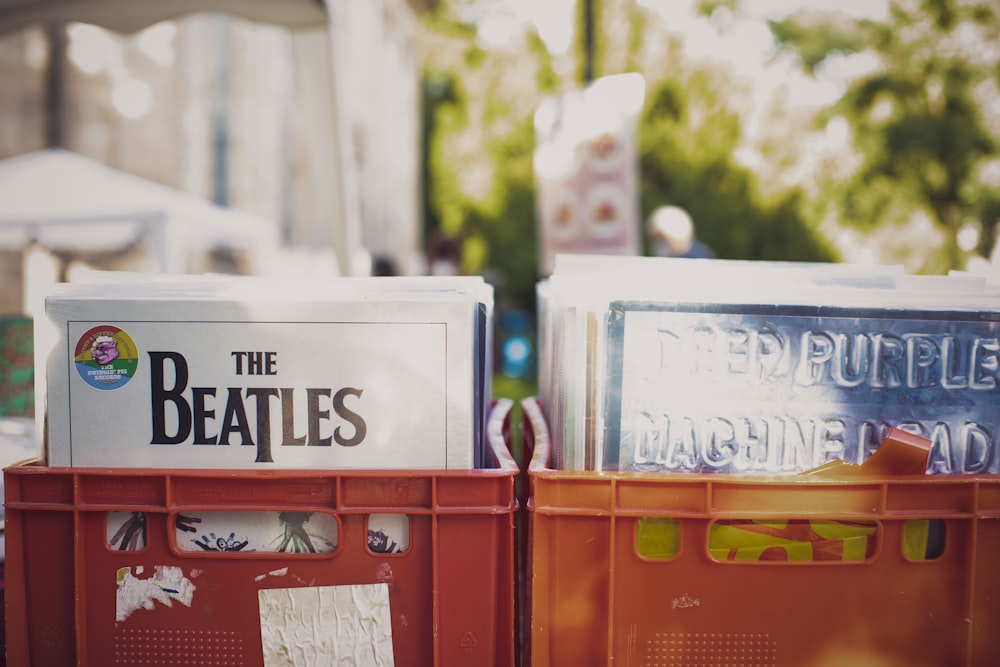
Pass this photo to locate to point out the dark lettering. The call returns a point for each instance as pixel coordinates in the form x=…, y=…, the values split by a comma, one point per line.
x=258, y=363
x=254, y=363
x=239, y=361
x=202, y=414
x=315, y=415
x=360, y=428
x=262, y=397
x=161, y=395
x=288, y=437
x=234, y=420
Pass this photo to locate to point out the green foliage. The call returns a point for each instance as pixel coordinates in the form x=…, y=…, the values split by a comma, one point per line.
x=497, y=232
x=687, y=139
x=445, y=111
x=814, y=42
x=916, y=122
x=868, y=200
x=441, y=20
x=546, y=78
x=706, y=7
x=506, y=220
x=637, y=26
x=496, y=109
x=474, y=56
x=943, y=12
x=513, y=388
x=985, y=203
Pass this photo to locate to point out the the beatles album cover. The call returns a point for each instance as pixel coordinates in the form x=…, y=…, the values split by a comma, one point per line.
x=155, y=378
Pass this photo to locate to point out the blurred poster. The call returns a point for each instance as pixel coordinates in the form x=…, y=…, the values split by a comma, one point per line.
x=586, y=169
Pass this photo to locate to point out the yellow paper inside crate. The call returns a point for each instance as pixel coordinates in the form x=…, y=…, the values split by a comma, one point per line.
x=793, y=540
x=804, y=540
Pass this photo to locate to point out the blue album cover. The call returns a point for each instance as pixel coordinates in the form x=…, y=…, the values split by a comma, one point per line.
x=777, y=389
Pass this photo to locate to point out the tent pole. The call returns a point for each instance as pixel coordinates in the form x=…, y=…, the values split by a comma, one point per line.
x=55, y=86
x=220, y=114
x=588, y=41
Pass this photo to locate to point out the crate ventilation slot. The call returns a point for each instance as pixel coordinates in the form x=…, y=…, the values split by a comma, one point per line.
x=179, y=648
x=678, y=649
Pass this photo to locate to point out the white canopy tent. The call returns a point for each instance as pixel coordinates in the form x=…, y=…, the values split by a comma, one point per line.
x=75, y=208
x=78, y=208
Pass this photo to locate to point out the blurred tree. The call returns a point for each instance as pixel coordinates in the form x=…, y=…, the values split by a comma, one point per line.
x=478, y=138
x=505, y=221
x=478, y=106
x=917, y=121
x=688, y=137
x=444, y=111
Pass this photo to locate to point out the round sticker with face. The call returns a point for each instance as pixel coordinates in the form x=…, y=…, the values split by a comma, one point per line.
x=106, y=357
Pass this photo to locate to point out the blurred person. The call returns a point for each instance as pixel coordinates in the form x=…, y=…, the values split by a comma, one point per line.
x=444, y=256
x=383, y=265
x=671, y=234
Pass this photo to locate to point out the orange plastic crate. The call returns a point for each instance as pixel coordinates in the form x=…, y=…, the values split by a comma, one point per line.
x=451, y=593
x=596, y=596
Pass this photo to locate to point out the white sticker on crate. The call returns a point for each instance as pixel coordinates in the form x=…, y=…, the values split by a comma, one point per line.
x=326, y=625
x=136, y=591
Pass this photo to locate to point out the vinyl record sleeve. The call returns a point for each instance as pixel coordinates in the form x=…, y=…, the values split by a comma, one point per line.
x=782, y=388
x=208, y=381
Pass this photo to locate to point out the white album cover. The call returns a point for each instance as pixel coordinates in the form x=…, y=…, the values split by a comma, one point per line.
x=182, y=375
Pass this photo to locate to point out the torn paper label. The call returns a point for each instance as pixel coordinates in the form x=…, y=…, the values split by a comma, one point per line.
x=166, y=584
x=326, y=625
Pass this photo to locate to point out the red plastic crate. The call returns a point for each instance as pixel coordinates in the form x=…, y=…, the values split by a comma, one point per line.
x=451, y=593
x=596, y=598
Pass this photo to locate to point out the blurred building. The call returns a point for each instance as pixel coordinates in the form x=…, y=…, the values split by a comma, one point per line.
x=300, y=112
